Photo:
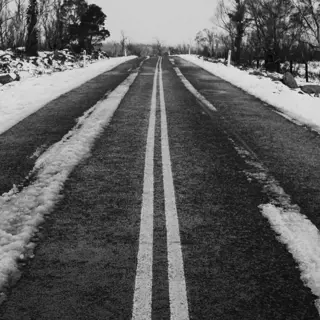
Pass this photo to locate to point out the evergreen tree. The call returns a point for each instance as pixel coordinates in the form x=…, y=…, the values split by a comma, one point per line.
x=83, y=24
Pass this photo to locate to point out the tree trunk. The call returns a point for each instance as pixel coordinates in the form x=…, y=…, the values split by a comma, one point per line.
x=32, y=35
x=306, y=68
x=237, y=55
x=32, y=43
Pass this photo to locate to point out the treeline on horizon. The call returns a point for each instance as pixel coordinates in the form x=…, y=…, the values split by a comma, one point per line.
x=273, y=30
x=51, y=25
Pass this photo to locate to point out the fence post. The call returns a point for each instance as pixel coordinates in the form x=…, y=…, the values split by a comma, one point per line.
x=229, y=57
x=306, y=68
x=84, y=58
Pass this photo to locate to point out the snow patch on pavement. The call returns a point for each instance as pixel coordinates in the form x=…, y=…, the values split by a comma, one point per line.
x=303, y=242
x=20, y=99
x=294, y=229
x=21, y=212
x=299, y=107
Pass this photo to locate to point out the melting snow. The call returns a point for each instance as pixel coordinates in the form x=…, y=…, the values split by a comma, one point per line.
x=295, y=230
x=21, y=212
x=20, y=99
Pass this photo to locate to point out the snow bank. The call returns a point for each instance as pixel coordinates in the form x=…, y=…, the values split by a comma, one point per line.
x=21, y=212
x=300, y=107
x=20, y=99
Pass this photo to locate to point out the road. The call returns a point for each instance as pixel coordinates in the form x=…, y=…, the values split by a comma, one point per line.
x=167, y=217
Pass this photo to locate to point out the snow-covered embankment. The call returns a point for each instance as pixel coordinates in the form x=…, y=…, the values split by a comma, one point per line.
x=20, y=99
x=302, y=108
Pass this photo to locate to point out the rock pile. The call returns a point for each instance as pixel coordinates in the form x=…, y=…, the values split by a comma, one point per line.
x=311, y=89
x=289, y=80
x=15, y=65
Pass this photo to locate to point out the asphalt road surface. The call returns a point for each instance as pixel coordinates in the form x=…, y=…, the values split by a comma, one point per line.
x=161, y=221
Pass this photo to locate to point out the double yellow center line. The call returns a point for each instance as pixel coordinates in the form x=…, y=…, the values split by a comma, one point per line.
x=142, y=302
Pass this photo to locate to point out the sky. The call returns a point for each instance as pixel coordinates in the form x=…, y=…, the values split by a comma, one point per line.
x=170, y=21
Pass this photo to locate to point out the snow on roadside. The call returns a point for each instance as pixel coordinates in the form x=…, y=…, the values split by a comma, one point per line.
x=20, y=99
x=300, y=107
x=21, y=212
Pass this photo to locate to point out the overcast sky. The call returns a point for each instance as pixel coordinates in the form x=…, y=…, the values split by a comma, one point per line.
x=171, y=21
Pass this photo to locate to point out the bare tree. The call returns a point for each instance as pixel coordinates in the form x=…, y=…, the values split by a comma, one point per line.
x=233, y=17
x=19, y=23
x=222, y=20
x=273, y=27
x=210, y=37
x=205, y=40
x=223, y=45
x=123, y=42
x=307, y=14
x=45, y=20
x=5, y=16
x=158, y=47
x=200, y=40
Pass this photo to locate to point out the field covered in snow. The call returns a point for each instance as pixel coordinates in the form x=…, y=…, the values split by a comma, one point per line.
x=19, y=99
x=302, y=109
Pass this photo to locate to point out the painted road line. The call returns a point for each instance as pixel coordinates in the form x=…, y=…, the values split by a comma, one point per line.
x=194, y=91
x=143, y=283
x=177, y=284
